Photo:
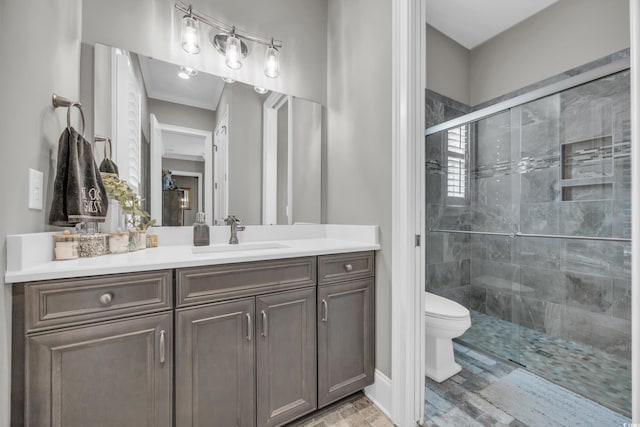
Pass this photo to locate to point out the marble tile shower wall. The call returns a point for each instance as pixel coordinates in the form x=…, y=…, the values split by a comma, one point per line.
x=559, y=165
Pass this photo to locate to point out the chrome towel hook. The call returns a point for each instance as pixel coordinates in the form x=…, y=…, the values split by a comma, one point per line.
x=61, y=101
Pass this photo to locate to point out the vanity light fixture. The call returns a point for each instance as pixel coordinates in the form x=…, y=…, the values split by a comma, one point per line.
x=227, y=40
x=260, y=90
x=190, y=38
x=233, y=51
x=271, y=62
x=187, y=72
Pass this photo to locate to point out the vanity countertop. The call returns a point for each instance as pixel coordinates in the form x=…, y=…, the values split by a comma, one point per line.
x=29, y=261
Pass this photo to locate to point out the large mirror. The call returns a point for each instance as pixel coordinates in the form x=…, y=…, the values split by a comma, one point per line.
x=188, y=141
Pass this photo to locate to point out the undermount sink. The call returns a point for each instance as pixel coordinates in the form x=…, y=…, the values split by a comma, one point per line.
x=225, y=247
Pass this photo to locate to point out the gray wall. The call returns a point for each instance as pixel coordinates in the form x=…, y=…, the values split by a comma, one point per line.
x=358, y=152
x=307, y=165
x=448, y=73
x=245, y=151
x=152, y=28
x=565, y=35
x=46, y=60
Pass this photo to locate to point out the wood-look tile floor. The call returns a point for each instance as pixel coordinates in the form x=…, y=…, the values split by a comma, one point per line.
x=354, y=411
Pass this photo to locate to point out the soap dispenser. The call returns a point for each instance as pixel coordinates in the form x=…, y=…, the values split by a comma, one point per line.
x=200, y=231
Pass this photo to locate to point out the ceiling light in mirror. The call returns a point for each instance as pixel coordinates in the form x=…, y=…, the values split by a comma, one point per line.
x=260, y=90
x=271, y=62
x=190, y=34
x=187, y=72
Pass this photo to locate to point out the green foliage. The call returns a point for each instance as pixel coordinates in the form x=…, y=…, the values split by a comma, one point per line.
x=128, y=200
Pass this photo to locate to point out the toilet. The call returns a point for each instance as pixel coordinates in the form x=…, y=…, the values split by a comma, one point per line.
x=444, y=320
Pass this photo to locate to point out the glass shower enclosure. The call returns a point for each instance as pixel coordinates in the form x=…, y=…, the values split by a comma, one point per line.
x=529, y=226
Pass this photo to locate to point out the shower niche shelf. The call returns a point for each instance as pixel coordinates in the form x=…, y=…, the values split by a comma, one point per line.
x=587, y=169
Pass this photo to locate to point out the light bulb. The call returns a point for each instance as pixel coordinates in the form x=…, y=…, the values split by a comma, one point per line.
x=190, y=35
x=187, y=72
x=228, y=80
x=260, y=90
x=233, y=52
x=271, y=62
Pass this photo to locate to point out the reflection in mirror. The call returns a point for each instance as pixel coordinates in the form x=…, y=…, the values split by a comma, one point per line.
x=179, y=132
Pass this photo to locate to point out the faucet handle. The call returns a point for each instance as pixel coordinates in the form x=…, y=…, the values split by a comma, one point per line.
x=231, y=219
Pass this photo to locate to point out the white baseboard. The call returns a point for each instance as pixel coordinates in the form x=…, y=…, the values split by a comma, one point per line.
x=380, y=392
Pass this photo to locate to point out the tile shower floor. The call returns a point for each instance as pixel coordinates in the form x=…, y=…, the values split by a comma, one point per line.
x=578, y=367
x=477, y=397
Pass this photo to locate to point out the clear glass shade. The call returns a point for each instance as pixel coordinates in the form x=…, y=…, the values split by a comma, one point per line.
x=190, y=35
x=272, y=62
x=233, y=52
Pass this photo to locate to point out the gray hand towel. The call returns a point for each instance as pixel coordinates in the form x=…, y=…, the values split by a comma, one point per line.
x=78, y=192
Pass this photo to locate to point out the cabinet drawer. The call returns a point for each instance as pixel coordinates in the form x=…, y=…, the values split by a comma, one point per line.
x=207, y=284
x=70, y=302
x=334, y=268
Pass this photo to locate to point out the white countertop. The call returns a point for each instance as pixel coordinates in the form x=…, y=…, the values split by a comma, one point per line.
x=29, y=255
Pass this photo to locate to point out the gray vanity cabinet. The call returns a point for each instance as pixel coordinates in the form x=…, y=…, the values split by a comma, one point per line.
x=215, y=368
x=93, y=351
x=114, y=374
x=246, y=343
x=286, y=355
x=345, y=325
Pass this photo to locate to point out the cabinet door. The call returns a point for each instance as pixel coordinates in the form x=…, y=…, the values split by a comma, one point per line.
x=112, y=374
x=286, y=355
x=345, y=339
x=215, y=368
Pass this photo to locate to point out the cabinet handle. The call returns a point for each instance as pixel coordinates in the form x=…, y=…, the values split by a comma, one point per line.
x=348, y=267
x=162, y=346
x=105, y=299
x=264, y=323
x=325, y=311
x=249, y=331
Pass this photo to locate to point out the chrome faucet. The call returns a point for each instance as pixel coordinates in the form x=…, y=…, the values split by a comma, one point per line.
x=233, y=222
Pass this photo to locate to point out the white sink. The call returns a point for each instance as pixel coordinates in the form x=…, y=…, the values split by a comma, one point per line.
x=225, y=247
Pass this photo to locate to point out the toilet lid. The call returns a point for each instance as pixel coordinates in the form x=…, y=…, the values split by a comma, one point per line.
x=438, y=306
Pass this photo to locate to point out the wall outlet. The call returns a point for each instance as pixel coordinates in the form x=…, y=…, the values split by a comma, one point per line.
x=36, y=182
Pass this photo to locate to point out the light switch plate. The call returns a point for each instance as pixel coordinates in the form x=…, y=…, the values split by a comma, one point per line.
x=36, y=181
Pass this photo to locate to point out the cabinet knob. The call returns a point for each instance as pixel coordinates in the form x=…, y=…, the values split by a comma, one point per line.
x=105, y=299
x=348, y=267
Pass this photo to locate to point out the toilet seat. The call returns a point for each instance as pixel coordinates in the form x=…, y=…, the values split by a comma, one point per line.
x=441, y=308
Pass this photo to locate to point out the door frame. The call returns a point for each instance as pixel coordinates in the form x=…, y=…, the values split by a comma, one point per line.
x=272, y=104
x=155, y=163
x=408, y=220
x=634, y=16
x=408, y=45
x=221, y=170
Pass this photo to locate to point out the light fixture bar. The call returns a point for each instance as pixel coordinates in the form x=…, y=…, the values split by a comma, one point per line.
x=212, y=22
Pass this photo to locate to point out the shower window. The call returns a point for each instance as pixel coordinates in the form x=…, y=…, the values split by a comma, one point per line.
x=457, y=162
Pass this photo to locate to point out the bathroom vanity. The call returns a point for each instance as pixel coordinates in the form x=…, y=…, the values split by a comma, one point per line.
x=211, y=339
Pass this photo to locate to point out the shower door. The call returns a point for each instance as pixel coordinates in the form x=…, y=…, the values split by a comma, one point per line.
x=529, y=226
x=575, y=225
x=471, y=218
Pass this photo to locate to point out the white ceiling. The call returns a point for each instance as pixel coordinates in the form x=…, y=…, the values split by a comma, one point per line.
x=472, y=22
x=162, y=82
